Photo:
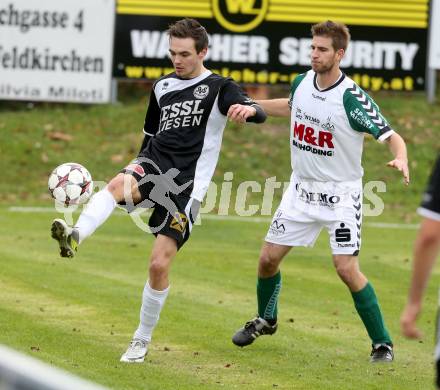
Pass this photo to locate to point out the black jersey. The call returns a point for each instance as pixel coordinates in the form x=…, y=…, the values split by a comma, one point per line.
x=430, y=206
x=184, y=126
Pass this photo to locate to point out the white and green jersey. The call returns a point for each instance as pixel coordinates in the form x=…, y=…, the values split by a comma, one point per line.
x=328, y=128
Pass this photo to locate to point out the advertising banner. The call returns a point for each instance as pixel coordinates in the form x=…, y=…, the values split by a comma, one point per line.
x=56, y=50
x=268, y=41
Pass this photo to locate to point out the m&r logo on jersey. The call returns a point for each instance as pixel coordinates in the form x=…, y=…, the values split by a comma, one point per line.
x=312, y=140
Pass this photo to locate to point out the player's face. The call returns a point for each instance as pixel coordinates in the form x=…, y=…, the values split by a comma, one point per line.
x=323, y=56
x=186, y=61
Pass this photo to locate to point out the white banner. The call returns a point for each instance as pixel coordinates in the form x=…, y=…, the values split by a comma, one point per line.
x=434, y=35
x=56, y=50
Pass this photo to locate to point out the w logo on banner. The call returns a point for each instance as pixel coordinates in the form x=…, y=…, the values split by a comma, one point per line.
x=240, y=15
x=241, y=6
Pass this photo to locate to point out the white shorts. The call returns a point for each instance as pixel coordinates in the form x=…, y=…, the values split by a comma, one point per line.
x=307, y=207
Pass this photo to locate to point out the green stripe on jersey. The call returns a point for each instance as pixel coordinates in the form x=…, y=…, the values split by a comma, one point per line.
x=363, y=113
x=296, y=81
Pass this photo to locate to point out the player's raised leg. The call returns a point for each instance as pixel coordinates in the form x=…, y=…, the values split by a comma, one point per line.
x=66, y=236
x=97, y=211
x=367, y=306
x=268, y=290
x=153, y=299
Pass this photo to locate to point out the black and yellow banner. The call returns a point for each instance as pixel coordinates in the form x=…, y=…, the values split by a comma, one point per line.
x=267, y=41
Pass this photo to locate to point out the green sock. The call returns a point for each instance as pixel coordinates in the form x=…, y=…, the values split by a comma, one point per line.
x=268, y=290
x=368, y=308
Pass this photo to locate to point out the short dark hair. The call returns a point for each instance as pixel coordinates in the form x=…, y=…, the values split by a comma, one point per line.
x=190, y=28
x=338, y=32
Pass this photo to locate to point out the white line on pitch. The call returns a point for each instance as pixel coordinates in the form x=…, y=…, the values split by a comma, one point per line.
x=380, y=225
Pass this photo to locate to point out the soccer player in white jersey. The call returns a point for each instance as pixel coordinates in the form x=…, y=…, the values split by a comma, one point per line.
x=183, y=128
x=330, y=115
x=426, y=250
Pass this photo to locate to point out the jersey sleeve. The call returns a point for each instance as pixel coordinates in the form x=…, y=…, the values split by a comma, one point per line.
x=152, y=117
x=363, y=114
x=231, y=93
x=296, y=81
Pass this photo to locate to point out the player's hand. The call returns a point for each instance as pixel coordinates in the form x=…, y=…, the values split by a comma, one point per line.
x=408, y=321
x=239, y=113
x=402, y=166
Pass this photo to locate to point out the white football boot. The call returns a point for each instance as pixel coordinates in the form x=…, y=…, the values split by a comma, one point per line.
x=135, y=352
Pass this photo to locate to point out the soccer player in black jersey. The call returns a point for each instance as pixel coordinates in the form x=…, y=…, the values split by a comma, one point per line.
x=426, y=250
x=183, y=128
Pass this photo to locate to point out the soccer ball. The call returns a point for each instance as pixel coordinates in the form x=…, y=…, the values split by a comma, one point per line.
x=70, y=184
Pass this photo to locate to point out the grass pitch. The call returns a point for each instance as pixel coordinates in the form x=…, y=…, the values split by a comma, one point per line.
x=80, y=314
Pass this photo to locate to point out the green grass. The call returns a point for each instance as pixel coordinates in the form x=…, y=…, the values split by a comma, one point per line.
x=105, y=138
x=80, y=314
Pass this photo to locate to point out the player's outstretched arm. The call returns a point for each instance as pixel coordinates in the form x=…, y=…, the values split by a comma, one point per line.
x=426, y=248
x=241, y=113
x=237, y=106
x=275, y=107
x=398, y=149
